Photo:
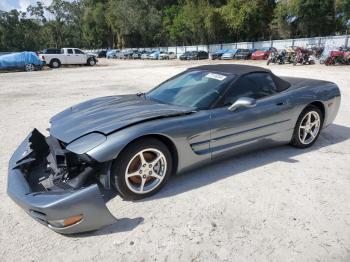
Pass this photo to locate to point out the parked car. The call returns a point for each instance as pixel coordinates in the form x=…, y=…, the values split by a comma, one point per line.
x=263, y=53
x=229, y=54
x=112, y=53
x=194, y=55
x=120, y=55
x=136, y=55
x=127, y=54
x=27, y=61
x=167, y=56
x=102, y=53
x=200, y=115
x=68, y=56
x=155, y=55
x=185, y=55
x=243, y=54
x=145, y=55
x=218, y=53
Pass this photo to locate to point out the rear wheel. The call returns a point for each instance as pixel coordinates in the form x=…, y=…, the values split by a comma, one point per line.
x=142, y=169
x=55, y=63
x=308, y=127
x=29, y=67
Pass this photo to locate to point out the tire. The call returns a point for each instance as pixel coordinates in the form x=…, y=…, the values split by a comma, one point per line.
x=91, y=61
x=129, y=162
x=55, y=63
x=305, y=135
x=29, y=67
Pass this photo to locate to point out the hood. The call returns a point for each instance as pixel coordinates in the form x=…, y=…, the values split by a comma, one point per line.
x=108, y=114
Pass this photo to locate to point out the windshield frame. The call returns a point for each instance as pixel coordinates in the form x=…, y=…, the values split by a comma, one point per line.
x=231, y=78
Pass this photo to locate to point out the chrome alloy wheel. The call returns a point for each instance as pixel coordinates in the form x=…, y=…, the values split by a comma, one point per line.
x=145, y=171
x=309, y=127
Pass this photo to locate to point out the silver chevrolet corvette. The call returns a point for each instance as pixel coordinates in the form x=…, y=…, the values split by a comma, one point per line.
x=133, y=143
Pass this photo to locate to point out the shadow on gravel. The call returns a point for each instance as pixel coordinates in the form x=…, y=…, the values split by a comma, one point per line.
x=122, y=225
x=235, y=165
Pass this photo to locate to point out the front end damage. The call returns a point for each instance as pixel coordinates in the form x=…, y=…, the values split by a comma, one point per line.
x=56, y=186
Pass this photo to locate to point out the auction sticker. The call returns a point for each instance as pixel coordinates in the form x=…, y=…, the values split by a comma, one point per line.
x=216, y=76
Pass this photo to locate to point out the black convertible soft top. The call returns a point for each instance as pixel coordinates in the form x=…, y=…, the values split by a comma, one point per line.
x=240, y=70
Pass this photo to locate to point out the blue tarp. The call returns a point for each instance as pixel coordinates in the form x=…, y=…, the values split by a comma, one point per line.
x=19, y=60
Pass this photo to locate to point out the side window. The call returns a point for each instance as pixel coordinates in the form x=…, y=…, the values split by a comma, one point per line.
x=70, y=51
x=255, y=85
x=77, y=51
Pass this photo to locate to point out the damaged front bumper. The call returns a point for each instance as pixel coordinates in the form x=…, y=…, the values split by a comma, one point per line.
x=83, y=208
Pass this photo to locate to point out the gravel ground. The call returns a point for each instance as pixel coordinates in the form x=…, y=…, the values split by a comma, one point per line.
x=280, y=204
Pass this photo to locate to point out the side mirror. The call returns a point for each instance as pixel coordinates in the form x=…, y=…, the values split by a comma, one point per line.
x=242, y=102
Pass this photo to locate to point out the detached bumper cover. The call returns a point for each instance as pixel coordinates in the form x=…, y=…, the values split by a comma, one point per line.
x=45, y=206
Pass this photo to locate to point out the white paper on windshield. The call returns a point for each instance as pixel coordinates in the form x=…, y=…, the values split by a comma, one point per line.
x=216, y=76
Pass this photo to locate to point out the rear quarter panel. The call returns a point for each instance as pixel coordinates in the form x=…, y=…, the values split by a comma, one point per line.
x=306, y=91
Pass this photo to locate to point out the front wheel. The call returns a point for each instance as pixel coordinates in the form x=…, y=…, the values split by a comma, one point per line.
x=91, y=61
x=308, y=127
x=142, y=169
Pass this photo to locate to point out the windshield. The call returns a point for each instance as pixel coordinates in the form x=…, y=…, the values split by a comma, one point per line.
x=194, y=88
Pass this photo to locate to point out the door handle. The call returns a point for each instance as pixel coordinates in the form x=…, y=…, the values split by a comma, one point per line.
x=281, y=103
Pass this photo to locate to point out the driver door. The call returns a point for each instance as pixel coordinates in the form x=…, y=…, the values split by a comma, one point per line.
x=244, y=128
x=79, y=57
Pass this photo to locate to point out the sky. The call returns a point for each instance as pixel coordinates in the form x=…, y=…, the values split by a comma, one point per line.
x=22, y=5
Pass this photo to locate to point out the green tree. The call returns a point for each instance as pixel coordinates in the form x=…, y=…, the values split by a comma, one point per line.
x=96, y=30
x=306, y=18
x=249, y=19
x=136, y=23
x=343, y=15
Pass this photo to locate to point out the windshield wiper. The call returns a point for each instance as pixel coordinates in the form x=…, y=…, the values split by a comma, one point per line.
x=141, y=94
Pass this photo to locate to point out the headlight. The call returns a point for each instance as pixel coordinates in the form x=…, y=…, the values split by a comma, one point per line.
x=86, y=143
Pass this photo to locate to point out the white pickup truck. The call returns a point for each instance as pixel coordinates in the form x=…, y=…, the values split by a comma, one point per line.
x=54, y=58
